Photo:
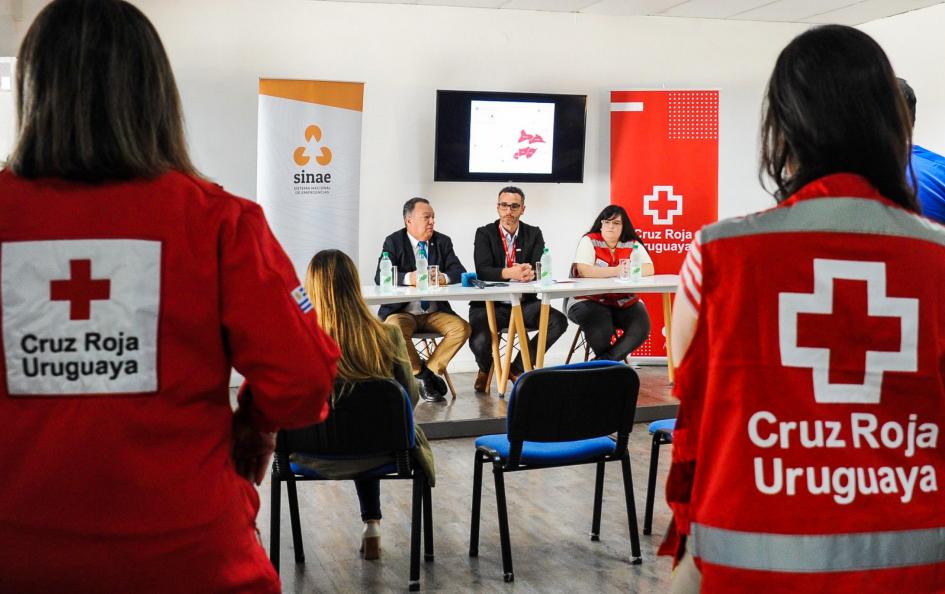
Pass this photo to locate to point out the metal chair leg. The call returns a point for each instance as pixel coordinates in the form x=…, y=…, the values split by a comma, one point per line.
x=413, y=585
x=598, y=501
x=476, y=506
x=635, y=554
x=427, y=521
x=508, y=573
x=651, y=483
x=296, y=521
x=275, y=513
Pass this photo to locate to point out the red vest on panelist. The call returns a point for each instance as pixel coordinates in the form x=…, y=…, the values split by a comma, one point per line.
x=808, y=453
x=603, y=255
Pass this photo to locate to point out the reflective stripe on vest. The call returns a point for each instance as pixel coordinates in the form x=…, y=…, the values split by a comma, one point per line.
x=792, y=553
x=840, y=215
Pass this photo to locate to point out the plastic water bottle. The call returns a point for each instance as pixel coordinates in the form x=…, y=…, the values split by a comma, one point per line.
x=387, y=274
x=423, y=278
x=636, y=263
x=546, y=279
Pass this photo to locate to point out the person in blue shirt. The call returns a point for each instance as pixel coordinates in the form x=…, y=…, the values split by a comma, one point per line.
x=929, y=168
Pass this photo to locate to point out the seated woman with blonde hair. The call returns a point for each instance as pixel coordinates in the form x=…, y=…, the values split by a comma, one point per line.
x=369, y=350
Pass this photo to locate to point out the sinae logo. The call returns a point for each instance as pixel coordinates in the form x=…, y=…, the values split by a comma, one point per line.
x=312, y=182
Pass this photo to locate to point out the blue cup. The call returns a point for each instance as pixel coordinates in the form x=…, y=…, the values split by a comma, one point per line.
x=467, y=278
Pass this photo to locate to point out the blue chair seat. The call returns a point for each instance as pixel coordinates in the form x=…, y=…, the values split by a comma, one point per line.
x=557, y=452
x=380, y=471
x=663, y=425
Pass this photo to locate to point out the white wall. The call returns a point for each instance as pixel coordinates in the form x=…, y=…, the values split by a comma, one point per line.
x=913, y=43
x=406, y=52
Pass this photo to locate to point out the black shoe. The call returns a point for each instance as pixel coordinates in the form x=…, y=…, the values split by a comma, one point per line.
x=434, y=383
x=426, y=394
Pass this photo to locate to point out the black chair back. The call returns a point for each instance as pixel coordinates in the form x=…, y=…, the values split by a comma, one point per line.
x=367, y=418
x=572, y=402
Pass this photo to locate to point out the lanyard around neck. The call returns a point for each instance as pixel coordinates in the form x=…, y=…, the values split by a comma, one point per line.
x=508, y=246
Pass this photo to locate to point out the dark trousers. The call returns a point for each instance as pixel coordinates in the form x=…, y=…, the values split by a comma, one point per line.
x=480, y=342
x=599, y=322
x=369, y=496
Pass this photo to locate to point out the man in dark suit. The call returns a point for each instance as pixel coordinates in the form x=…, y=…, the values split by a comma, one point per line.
x=505, y=251
x=402, y=248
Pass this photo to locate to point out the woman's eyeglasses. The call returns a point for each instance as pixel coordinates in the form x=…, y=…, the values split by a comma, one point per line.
x=612, y=223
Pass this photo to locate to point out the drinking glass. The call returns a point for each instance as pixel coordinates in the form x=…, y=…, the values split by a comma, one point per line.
x=434, y=271
x=623, y=270
x=393, y=271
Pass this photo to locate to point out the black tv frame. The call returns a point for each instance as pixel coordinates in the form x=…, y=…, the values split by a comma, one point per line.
x=451, y=148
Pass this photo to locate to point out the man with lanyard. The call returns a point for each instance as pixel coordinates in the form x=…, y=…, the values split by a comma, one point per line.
x=403, y=247
x=504, y=251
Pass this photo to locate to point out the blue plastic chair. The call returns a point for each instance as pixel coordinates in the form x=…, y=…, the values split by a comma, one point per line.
x=561, y=416
x=662, y=432
x=370, y=418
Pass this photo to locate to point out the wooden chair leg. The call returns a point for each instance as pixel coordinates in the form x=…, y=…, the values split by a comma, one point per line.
x=598, y=502
x=635, y=554
x=296, y=521
x=651, y=483
x=573, y=346
x=427, y=521
x=413, y=585
x=449, y=383
x=476, y=506
x=275, y=513
x=508, y=573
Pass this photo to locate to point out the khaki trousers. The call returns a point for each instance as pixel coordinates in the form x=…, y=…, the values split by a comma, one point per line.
x=455, y=331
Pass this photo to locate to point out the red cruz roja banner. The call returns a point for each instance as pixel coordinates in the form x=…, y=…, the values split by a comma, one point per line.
x=664, y=157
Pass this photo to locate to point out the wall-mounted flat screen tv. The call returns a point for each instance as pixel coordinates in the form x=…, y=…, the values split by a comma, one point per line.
x=525, y=137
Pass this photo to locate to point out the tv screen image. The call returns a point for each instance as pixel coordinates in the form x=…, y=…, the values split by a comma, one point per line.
x=511, y=136
x=496, y=136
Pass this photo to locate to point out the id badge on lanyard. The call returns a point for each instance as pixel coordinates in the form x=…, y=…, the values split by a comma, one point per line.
x=509, y=248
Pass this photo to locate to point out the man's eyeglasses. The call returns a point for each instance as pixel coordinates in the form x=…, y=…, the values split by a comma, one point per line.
x=509, y=206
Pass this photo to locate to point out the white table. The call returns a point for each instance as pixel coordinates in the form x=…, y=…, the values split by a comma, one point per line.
x=662, y=283
x=577, y=287
x=512, y=293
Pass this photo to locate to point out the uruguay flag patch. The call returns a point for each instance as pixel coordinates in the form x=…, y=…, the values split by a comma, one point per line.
x=301, y=299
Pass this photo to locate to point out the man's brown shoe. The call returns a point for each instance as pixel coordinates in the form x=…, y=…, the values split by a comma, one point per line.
x=482, y=382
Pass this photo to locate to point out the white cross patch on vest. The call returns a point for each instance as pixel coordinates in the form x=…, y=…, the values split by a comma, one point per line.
x=80, y=317
x=900, y=312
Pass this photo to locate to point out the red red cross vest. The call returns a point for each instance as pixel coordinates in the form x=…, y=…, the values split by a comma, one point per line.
x=124, y=307
x=808, y=452
x=602, y=254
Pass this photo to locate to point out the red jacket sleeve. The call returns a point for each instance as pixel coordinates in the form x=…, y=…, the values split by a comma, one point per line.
x=271, y=330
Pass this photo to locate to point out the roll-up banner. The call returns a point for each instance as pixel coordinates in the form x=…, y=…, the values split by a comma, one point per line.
x=664, y=170
x=309, y=164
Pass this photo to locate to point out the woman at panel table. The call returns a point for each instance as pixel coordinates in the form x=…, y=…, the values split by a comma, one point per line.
x=370, y=349
x=130, y=288
x=616, y=323
x=807, y=454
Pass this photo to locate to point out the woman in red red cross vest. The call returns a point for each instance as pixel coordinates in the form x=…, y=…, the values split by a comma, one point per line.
x=808, y=451
x=130, y=288
x=616, y=323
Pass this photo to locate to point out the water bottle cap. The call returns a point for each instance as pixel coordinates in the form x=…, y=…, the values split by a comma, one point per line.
x=386, y=255
x=545, y=251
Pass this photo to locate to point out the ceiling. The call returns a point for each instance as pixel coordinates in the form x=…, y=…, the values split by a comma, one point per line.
x=846, y=12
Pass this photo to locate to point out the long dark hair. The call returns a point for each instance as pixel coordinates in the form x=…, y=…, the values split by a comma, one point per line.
x=833, y=105
x=96, y=98
x=627, y=233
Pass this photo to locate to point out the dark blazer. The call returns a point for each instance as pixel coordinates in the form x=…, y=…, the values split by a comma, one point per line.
x=439, y=252
x=489, y=253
